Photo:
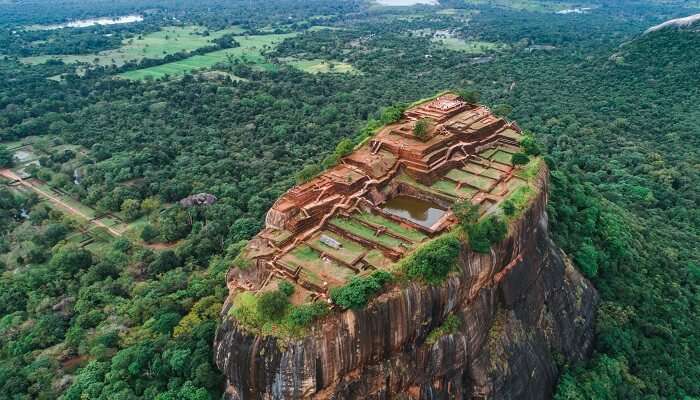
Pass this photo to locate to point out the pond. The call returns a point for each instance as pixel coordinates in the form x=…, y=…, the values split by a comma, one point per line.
x=84, y=23
x=422, y=212
x=406, y=2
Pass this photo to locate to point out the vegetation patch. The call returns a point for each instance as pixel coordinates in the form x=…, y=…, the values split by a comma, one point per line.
x=321, y=66
x=167, y=41
x=250, y=51
x=357, y=293
x=356, y=228
x=481, y=234
x=393, y=226
x=431, y=262
x=449, y=326
x=271, y=313
x=474, y=47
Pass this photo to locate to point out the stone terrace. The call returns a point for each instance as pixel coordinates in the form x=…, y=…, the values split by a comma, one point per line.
x=342, y=223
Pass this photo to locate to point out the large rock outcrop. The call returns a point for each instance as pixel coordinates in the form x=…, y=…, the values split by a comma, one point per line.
x=523, y=308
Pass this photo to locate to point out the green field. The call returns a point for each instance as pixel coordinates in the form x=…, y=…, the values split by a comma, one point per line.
x=469, y=46
x=250, y=51
x=169, y=40
x=364, y=232
x=450, y=188
x=391, y=225
x=349, y=251
x=503, y=157
x=481, y=182
x=527, y=5
x=320, y=66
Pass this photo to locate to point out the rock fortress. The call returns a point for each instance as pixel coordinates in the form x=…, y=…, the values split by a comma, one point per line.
x=519, y=304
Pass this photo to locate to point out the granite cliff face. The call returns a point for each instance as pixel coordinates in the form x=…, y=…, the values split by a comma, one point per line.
x=523, y=307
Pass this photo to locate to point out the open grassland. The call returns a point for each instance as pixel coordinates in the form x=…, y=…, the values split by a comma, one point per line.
x=169, y=40
x=250, y=51
x=528, y=5
x=320, y=66
x=469, y=46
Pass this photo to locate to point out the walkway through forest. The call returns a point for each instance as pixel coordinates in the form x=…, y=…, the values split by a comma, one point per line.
x=9, y=174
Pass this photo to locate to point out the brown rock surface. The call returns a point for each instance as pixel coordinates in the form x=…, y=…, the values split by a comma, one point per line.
x=522, y=306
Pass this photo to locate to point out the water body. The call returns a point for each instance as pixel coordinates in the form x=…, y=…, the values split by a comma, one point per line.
x=582, y=10
x=407, y=2
x=84, y=23
x=420, y=211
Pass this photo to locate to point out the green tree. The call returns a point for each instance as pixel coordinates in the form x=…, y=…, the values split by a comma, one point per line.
x=272, y=304
x=150, y=204
x=587, y=259
x=359, y=290
x=520, y=159
x=502, y=110
x=149, y=233
x=420, y=129
x=508, y=208
x=71, y=260
x=131, y=209
x=307, y=173
x=470, y=96
x=6, y=158
x=434, y=261
x=529, y=145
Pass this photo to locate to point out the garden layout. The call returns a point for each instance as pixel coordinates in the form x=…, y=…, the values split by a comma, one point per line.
x=26, y=177
x=387, y=198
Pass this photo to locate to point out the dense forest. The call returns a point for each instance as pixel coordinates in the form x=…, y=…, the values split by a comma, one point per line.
x=615, y=111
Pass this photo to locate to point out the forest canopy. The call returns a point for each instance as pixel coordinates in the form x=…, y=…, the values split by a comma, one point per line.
x=85, y=313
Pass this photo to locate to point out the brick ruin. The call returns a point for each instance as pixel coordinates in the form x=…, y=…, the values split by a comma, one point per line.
x=322, y=232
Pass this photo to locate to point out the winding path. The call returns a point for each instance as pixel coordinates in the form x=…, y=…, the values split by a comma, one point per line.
x=9, y=174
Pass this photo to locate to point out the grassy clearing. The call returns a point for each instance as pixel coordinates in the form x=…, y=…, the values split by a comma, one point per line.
x=356, y=228
x=305, y=254
x=469, y=46
x=250, y=52
x=376, y=258
x=527, y=5
x=503, y=157
x=394, y=227
x=451, y=189
x=316, y=269
x=349, y=251
x=481, y=182
x=492, y=173
x=487, y=153
x=530, y=169
x=320, y=66
x=317, y=28
x=169, y=40
x=134, y=228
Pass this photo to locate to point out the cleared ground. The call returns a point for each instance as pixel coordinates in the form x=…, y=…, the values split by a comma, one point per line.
x=469, y=46
x=250, y=51
x=169, y=40
x=319, y=66
x=528, y=5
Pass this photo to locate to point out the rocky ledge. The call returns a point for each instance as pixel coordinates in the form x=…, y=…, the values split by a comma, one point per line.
x=524, y=309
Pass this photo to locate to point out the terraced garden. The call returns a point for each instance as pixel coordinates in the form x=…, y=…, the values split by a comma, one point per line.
x=396, y=228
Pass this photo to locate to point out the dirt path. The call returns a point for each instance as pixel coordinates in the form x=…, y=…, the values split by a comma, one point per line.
x=56, y=200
